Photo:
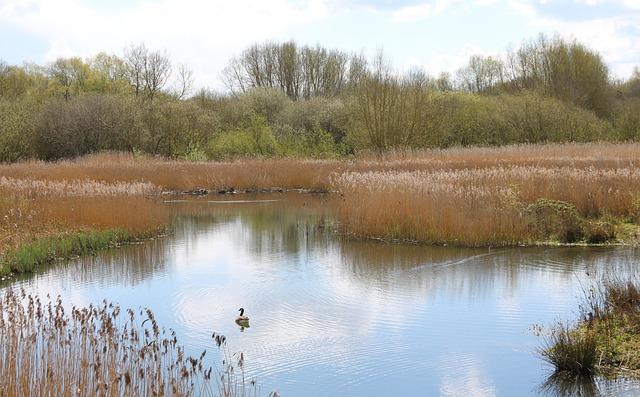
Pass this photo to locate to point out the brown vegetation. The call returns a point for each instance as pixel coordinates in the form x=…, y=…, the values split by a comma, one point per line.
x=466, y=196
x=99, y=350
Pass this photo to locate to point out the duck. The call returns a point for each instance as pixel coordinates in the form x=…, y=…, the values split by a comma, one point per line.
x=242, y=319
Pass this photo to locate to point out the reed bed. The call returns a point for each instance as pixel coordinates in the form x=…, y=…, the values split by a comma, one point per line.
x=480, y=206
x=41, y=188
x=27, y=219
x=464, y=196
x=290, y=173
x=101, y=350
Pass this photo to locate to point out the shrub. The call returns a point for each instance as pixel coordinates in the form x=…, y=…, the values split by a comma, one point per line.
x=599, y=232
x=85, y=125
x=556, y=220
x=626, y=119
x=255, y=139
x=16, y=129
x=177, y=128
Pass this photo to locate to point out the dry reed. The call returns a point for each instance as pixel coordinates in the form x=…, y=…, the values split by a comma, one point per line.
x=477, y=206
x=467, y=196
x=315, y=174
x=99, y=351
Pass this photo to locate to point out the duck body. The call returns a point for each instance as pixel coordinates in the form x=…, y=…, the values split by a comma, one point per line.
x=242, y=319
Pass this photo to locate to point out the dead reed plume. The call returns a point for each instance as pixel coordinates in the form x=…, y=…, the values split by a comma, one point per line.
x=178, y=175
x=465, y=196
x=101, y=351
x=497, y=205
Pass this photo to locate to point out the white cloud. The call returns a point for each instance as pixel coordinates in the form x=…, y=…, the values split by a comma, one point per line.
x=449, y=62
x=422, y=11
x=607, y=36
x=413, y=13
x=204, y=34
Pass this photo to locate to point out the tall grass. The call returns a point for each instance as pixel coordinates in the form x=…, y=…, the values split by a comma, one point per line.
x=43, y=251
x=180, y=175
x=103, y=351
x=479, y=206
x=464, y=196
x=607, y=336
x=23, y=220
x=571, y=351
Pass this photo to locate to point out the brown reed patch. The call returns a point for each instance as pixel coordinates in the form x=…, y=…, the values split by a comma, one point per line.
x=25, y=219
x=100, y=350
x=477, y=206
x=468, y=196
x=316, y=174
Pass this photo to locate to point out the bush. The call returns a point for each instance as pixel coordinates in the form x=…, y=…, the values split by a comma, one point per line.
x=626, y=119
x=557, y=220
x=177, y=128
x=317, y=144
x=16, y=129
x=255, y=139
x=599, y=232
x=85, y=125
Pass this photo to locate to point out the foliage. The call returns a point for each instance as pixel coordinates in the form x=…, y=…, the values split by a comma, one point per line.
x=571, y=351
x=607, y=337
x=546, y=90
x=556, y=219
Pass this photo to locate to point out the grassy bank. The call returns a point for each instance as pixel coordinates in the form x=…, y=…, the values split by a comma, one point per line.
x=41, y=220
x=44, y=251
x=103, y=350
x=606, y=339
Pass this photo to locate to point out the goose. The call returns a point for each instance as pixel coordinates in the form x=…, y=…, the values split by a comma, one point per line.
x=242, y=319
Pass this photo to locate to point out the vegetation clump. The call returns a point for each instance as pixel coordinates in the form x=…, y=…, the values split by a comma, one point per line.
x=47, y=348
x=607, y=337
x=556, y=220
x=44, y=251
x=570, y=351
x=599, y=232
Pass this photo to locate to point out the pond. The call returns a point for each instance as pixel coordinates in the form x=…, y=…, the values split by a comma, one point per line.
x=332, y=316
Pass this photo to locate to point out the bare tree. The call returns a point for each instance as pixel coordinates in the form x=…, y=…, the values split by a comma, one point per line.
x=135, y=59
x=147, y=71
x=481, y=74
x=184, y=81
x=299, y=72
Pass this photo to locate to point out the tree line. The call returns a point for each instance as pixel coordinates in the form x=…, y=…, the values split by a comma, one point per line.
x=284, y=99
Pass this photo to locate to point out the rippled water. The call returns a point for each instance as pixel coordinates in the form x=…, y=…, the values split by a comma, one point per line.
x=335, y=317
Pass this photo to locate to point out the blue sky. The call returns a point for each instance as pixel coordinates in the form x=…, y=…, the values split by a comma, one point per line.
x=439, y=35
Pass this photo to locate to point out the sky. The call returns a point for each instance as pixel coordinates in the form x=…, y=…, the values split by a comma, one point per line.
x=439, y=35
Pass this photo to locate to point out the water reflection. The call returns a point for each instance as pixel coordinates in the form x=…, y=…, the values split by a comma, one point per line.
x=331, y=316
x=559, y=384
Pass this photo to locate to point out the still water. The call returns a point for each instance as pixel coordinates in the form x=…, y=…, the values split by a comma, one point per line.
x=334, y=317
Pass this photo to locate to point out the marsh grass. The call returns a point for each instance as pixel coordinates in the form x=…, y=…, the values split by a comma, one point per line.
x=46, y=250
x=501, y=205
x=179, y=175
x=571, y=351
x=23, y=220
x=607, y=336
x=100, y=350
x=461, y=196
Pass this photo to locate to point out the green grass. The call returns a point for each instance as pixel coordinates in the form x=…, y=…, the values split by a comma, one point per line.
x=607, y=339
x=44, y=251
x=571, y=351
